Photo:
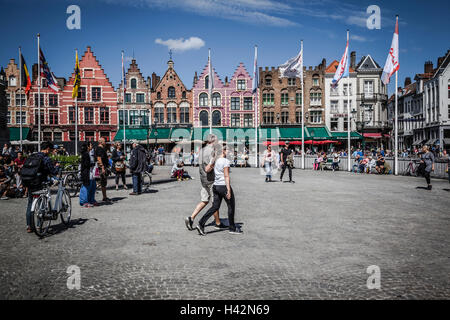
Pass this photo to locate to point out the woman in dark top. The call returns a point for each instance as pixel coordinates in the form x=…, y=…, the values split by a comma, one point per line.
x=428, y=160
x=87, y=191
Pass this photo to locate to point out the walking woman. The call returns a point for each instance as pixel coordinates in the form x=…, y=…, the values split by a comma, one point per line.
x=268, y=159
x=87, y=191
x=118, y=158
x=428, y=161
x=221, y=190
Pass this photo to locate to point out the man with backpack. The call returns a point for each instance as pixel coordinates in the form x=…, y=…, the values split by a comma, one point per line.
x=35, y=172
x=138, y=165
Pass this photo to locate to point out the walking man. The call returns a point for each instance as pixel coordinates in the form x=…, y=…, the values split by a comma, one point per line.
x=206, y=168
x=286, y=158
x=138, y=165
x=103, y=164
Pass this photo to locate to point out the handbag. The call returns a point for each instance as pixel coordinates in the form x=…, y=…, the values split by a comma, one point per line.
x=119, y=166
x=96, y=172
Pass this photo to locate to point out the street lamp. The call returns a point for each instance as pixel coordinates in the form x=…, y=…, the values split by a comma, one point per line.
x=361, y=124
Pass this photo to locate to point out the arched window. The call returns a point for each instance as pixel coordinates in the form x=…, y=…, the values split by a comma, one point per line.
x=206, y=82
x=158, y=95
x=133, y=83
x=171, y=93
x=216, y=100
x=203, y=100
x=183, y=95
x=204, y=121
x=12, y=81
x=216, y=118
x=268, y=80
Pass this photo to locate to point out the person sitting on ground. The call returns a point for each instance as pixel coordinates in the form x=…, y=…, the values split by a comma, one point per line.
x=4, y=184
x=178, y=171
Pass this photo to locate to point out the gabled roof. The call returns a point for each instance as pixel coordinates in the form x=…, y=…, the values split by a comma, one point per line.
x=367, y=63
x=164, y=76
x=333, y=66
x=443, y=65
x=218, y=82
x=240, y=70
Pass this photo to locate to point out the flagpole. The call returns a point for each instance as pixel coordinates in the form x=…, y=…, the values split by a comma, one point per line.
x=396, y=110
x=76, y=113
x=123, y=112
x=20, y=92
x=256, y=107
x=303, y=113
x=39, y=94
x=210, y=90
x=349, y=123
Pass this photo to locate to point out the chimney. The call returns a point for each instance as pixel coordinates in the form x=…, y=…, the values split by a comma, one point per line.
x=428, y=67
x=226, y=80
x=353, y=60
x=149, y=82
x=407, y=81
x=195, y=78
x=154, y=79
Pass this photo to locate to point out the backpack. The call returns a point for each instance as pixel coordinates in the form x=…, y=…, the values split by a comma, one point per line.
x=32, y=176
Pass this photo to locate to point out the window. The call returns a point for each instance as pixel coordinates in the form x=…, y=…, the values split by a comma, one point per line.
x=171, y=93
x=172, y=114
x=183, y=95
x=268, y=117
x=216, y=99
x=140, y=97
x=127, y=97
x=203, y=99
x=12, y=81
x=315, y=81
x=184, y=114
x=81, y=94
x=20, y=99
x=345, y=106
x=96, y=94
x=235, y=120
x=71, y=114
x=204, y=118
x=368, y=88
x=248, y=120
x=8, y=117
x=88, y=73
x=268, y=81
x=8, y=99
x=104, y=115
x=134, y=117
x=345, y=90
x=89, y=136
x=89, y=115
x=291, y=81
x=334, y=91
x=207, y=82
x=47, y=136
x=36, y=117
x=345, y=123
x=22, y=119
x=36, y=100
x=284, y=98
x=57, y=136
x=298, y=117
x=315, y=117
x=248, y=103
x=216, y=118
x=144, y=117
x=334, y=106
x=159, y=114
x=53, y=100
x=105, y=135
x=268, y=99
x=334, y=124
x=284, y=117
x=316, y=98
x=241, y=84
x=121, y=113
x=158, y=95
x=235, y=103
x=449, y=111
x=298, y=98
x=53, y=116
x=133, y=83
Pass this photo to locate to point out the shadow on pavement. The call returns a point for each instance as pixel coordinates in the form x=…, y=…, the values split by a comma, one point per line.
x=61, y=227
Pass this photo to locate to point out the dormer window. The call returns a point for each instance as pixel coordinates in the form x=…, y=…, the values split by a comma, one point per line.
x=268, y=80
x=241, y=85
x=133, y=83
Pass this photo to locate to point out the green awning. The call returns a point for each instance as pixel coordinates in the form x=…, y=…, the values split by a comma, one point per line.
x=318, y=133
x=131, y=134
x=200, y=134
x=14, y=134
x=292, y=134
x=343, y=135
x=163, y=133
x=265, y=134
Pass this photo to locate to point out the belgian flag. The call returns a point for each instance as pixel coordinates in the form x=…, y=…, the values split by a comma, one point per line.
x=26, y=80
x=77, y=80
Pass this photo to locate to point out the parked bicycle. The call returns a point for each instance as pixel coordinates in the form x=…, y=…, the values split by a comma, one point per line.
x=72, y=180
x=44, y=212
x=412, y=169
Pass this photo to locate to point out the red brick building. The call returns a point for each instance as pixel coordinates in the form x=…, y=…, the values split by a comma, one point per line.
x=97, y=103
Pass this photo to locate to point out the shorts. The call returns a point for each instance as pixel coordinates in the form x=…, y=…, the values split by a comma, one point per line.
x=103, y=180
x=205, y=193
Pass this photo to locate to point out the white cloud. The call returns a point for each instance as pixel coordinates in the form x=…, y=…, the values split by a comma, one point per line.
x=193, y=43
x=358, y=38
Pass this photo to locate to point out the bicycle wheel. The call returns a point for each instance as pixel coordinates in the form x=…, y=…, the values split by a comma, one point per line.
x=71, y=184
x=40, y=221
x=146, y=181
x=66, y=208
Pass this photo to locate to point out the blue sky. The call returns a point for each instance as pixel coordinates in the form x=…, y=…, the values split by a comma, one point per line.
x=230, y=28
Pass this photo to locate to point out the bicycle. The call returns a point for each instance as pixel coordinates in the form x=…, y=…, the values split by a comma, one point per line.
x=72, y=180
x=43, y=212
x=412, y=169
x=146, y=180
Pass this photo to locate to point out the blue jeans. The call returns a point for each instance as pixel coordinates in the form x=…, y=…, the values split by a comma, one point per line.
x=87, y=193
x=137, y=182
x=28, y=213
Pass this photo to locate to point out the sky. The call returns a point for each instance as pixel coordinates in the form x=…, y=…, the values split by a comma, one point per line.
x=147, y=29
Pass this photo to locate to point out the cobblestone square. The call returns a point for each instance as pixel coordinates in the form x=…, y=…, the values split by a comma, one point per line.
x=313, y=239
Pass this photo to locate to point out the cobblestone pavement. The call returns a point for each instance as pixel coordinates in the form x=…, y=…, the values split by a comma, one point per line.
x=310, y=240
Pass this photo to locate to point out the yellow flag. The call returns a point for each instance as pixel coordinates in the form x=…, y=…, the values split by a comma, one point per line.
x=77, y=80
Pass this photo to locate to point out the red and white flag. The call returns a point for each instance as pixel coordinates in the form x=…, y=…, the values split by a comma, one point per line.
x=392, y=62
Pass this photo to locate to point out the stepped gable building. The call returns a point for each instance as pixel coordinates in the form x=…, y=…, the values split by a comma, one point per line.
x=4, y=132
x=281, y=99
x=50, y=109
x=97, y=103
x=15, y=96
x=137, y=106
x=171, y=101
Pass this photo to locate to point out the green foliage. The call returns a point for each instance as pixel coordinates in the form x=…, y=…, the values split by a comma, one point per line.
x=66, y=161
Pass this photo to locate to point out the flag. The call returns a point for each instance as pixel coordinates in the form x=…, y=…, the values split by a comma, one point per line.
x=293, y=67
x=77, y=79
x=392, y=62
x=342, y=69
x=26, y=80
x=255, y=83
x=47, y=74
x=210, y=77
